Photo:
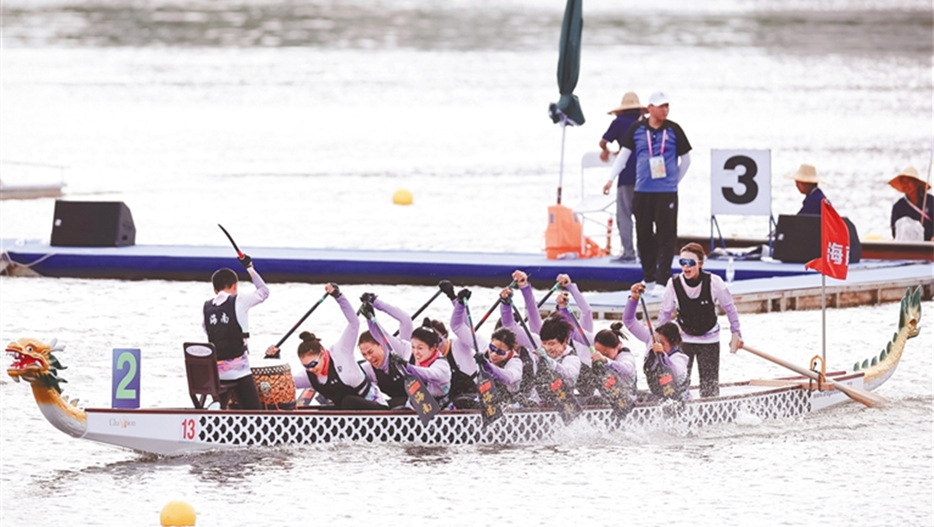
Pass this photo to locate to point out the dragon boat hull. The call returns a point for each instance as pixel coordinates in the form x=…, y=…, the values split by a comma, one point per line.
x=182, y=431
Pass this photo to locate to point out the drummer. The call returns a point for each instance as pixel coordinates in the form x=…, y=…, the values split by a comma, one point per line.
x=335, y=373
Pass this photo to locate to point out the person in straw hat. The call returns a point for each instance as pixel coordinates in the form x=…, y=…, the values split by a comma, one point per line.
x=912, y=214
x=628, y=113
x=806, y=180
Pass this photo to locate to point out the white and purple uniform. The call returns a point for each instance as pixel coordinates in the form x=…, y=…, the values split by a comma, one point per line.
x=239, y=367
x=677, y=360
x=343, y=361
x=400, y=345
x=719, y=292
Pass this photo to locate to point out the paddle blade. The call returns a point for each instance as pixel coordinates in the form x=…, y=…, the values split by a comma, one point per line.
x=424, y=404
x=490, y=400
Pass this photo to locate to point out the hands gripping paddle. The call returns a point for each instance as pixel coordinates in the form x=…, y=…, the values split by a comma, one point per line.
x=607, y=382
x=549, y=384
x=494, y=306
x=424, y=404
x=491, y=401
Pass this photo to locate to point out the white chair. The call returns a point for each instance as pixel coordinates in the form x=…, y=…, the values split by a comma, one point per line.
x=597, y=211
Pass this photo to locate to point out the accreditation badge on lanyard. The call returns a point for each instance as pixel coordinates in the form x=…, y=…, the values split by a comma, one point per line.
x=657, y=162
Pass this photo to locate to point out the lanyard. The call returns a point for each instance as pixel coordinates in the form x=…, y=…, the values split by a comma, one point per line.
x=648, y=139
x=917, y=209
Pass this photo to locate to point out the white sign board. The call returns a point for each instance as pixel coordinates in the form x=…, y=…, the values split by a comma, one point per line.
x=741, y=182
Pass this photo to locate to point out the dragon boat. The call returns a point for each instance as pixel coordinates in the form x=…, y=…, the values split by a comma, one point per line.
x=182, y=431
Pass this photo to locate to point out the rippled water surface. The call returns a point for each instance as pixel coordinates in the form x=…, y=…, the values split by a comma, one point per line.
x=293, y=123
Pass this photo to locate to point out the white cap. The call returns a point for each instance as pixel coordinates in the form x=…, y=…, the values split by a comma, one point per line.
x=658, y=98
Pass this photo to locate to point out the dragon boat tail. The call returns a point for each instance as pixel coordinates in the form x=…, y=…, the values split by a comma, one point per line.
x=179, y=431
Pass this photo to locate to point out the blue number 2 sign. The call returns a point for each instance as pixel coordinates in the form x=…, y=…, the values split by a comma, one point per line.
x=126, y=373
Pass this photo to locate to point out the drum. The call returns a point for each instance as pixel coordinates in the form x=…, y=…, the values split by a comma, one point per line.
x=274, y=384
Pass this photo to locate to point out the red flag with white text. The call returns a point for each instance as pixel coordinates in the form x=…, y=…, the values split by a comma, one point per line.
x=835, y=244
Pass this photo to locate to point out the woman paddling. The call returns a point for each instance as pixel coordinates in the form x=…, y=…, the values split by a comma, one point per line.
x=665, y=366
x=376, y=365
x=335, y=373
x=610, y=350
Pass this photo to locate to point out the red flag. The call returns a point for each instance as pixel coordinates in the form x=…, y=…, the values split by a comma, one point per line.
x=835, y=244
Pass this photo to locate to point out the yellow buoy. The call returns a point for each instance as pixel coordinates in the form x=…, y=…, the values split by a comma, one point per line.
x=177, y=514
x=402, y=197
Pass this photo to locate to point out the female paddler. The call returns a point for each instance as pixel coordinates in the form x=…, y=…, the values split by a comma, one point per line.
x=610, y=350
x=460, y=351
x=335, y=373
x=665, y=366
x=376, y=365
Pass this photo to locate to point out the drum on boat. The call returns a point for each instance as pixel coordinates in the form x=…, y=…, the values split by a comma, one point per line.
x=275, y=385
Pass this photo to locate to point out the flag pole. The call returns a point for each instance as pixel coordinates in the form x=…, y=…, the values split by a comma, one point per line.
x=823, y=311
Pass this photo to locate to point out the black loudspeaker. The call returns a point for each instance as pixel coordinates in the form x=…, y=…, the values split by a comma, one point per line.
x=92, y=224
x=797, y=239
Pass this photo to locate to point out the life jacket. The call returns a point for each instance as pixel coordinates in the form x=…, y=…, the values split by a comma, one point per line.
x=696, y=316
x=461, y=383
x=392, y=384
x=223, y=329
x=528, y=377
x=335, y=389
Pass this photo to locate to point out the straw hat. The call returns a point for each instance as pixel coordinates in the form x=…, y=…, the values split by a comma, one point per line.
x=907, y=180
x=805, y=174
x=630, y=102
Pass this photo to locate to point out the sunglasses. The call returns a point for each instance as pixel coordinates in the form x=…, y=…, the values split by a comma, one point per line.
x=498, y=351
x=312, y=365
x=687, y=262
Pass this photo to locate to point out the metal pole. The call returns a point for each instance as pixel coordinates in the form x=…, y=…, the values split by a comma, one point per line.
x=564, y=128
x=823, y=311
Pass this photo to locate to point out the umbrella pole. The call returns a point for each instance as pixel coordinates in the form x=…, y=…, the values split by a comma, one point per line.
x=564, y=128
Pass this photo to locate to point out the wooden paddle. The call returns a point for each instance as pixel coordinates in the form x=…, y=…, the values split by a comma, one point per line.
x=232, y=242
x=491, y=401
x=494, y=306
x=549, y=384
x=607, y=382
x=857, y=394
x=424, y=307
x=297, y=324
x=424, y=404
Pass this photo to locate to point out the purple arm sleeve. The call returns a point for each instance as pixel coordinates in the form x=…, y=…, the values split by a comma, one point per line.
x=586, y=319
x=535, y=318
x=638, y=329
x=405, y=321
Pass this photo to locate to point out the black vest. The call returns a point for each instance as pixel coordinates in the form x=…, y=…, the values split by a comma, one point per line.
x=528, y=376
x=392, y=384
x=698, y=315
x=334, y=388
x=461, y=383
x=223, y=329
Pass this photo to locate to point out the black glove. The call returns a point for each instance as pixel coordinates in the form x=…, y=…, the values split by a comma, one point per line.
x=480, y=358
x=368, y=298
x=463, y=295
x=246, y=261
x=447, y=288
x=366, y=309
x=506, y=299
x=336, y=292
x=397, y=361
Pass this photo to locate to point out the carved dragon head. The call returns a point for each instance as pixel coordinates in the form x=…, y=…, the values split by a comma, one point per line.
x=33, y=362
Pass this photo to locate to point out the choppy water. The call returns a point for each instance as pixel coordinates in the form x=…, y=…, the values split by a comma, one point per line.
x=292, y=124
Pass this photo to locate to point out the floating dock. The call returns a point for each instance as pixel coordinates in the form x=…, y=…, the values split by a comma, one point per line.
x=344, y=266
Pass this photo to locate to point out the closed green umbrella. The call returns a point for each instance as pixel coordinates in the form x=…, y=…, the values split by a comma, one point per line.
x=567, y=110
